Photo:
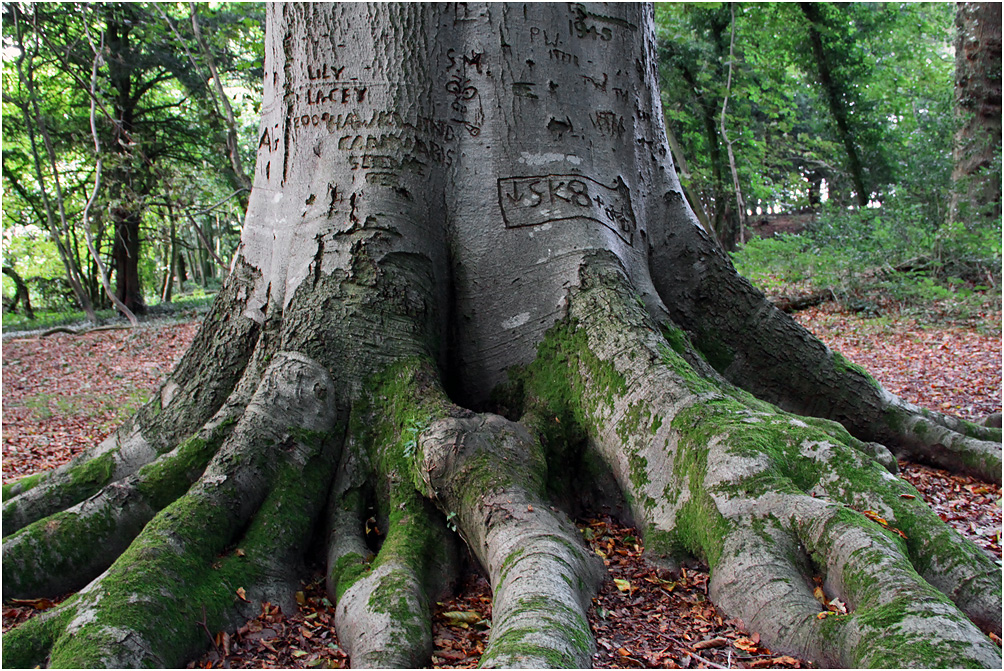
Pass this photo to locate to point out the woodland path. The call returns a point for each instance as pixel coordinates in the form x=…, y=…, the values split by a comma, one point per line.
x=62, y=393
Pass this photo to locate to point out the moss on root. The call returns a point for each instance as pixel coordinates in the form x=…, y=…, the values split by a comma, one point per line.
x=884, y=622
x=390, y=597
x=556, y=381
x=508, y=562
x=27, y=646
x=676, y=337
x=77, y=544
x=22, y=485
x=179, y=570
x=347, y=570
x=65, y=544
x=83, y=478
x=158, y=589
x=522, y=644
x=167, y=478
x=843, y=366
x=396, y=406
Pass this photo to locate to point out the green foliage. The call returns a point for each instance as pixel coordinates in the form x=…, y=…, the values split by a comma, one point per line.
x=890, y=65
x=815, y=87
x=893, y=251
x=161, y=131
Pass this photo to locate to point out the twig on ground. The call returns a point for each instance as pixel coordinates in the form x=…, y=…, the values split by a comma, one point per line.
x=683, y=646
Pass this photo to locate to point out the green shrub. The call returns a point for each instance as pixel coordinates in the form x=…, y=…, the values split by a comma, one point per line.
x=894, y=252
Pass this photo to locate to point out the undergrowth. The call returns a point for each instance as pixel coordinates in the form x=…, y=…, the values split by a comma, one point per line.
x=46, y=319
x=880, y=260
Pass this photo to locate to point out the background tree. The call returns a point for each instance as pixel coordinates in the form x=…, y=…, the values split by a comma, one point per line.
x=976, y=176
x=694, y=55
x=898, y=75
x=468, y=289
x=878, y=121
x=37, y=159
x=839, y=65
x=157, y=106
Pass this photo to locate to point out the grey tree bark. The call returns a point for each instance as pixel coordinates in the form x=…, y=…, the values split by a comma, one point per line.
x=468, y=279
x=976, y=181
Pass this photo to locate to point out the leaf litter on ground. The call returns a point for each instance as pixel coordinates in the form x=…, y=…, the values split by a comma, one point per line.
x=948, y=368
x=62, y=394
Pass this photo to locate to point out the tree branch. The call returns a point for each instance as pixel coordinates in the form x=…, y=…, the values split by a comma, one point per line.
x=232, y=148
x=725, y=135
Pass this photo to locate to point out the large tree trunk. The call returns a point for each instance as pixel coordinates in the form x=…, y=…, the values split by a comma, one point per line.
x=468, y=273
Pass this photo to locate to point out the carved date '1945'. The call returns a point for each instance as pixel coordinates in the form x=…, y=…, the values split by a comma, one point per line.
x=532, y=201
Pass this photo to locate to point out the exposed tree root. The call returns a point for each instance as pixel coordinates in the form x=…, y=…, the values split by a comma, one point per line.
x=383, y=599
x=259, y=494
x=759, y=348
x=492, y=472
x=771, y=501
x=37, y=496
x=724, y=476
x=487, y=475
x=68, y=549
x=946, y=442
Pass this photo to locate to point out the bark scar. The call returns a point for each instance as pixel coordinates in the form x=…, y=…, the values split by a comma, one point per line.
x=318, y=257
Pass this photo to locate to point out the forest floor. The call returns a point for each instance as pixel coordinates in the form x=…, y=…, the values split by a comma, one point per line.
x=63, y=393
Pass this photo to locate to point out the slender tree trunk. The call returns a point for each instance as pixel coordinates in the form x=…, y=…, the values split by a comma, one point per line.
x=172, y=258
x=719, y=219
x=736, y=188
x=240, y=178
x=60, y=232
x=835, y=100
x=21, y=294
x=182, y=270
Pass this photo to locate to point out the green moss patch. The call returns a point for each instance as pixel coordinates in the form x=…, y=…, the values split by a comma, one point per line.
x=27, y=646
x=347, y=570
x=715, y=352
x=843, y=366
